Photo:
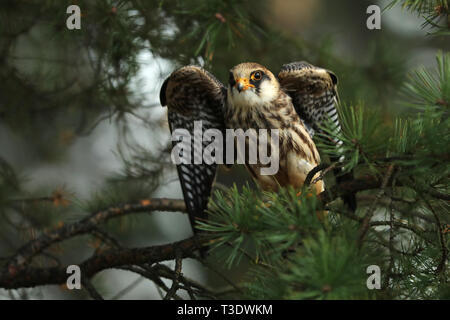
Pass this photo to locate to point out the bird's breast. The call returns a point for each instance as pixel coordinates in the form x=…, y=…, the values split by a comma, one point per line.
x=295, y=151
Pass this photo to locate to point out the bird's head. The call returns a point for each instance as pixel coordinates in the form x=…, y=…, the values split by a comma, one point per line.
x=251, y=84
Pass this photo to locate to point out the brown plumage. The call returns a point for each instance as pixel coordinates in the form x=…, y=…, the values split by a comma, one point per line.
x=313, y=92
x=264, y=105
x=193, y=94
x=253, y=99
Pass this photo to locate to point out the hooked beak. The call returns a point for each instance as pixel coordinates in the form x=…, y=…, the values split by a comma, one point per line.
x=243, y=84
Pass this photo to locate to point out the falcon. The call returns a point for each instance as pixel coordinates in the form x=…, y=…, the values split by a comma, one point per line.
x=295, y=102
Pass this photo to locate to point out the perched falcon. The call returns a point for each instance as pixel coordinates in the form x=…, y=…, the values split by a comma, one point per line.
x=255, y=99
x=294, y=103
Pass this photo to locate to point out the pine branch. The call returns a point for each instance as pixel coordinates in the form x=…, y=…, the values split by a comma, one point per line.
x=18, y=272
x=87, y=225
x=114, y=258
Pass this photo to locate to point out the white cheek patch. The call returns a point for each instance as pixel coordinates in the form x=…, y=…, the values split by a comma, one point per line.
x=267, y=91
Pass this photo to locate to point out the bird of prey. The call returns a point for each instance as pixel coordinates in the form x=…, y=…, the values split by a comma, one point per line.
x=295, y=103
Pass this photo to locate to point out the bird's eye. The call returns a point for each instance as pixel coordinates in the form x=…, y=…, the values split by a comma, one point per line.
x=256, y=76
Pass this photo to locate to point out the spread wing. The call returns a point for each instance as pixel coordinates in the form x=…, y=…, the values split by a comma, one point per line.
x=192, y=94
x=313, y=93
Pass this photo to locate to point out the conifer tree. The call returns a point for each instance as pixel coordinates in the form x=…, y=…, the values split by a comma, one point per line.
x=57, y=86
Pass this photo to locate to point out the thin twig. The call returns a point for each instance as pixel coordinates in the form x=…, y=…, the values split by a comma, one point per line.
x=189, y=285
x=149, y=274
x=87, y=225
x=441, y=266
x=127, y=289
x=366, y=220
x=91, y=289
x=175, y=282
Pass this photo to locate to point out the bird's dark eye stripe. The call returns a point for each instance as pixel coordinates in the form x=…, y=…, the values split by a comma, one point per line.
x=231, y=80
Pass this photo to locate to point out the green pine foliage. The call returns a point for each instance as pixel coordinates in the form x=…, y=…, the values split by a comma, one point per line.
x=436, y=13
